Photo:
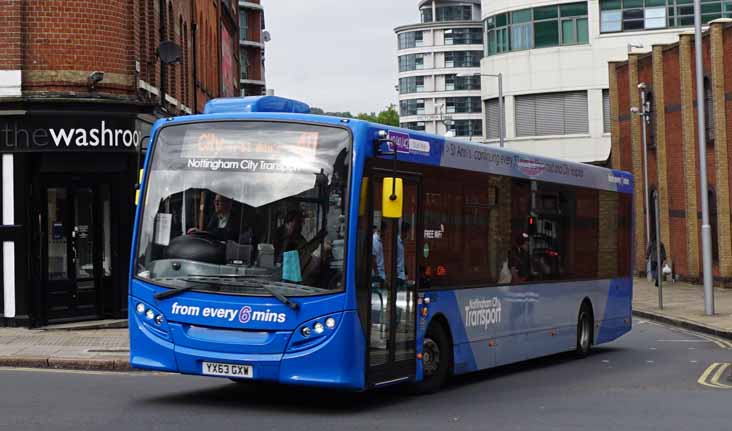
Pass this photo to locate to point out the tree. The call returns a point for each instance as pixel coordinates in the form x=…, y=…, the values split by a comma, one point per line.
x=319, y=111
x=389, y=116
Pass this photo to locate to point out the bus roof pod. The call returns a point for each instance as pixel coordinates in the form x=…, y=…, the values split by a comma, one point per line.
x=231, y=105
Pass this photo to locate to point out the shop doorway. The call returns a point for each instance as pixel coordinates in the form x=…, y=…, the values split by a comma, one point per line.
x=76, y=219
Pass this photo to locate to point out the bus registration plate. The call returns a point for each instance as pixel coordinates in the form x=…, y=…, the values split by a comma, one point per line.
x=227, y=370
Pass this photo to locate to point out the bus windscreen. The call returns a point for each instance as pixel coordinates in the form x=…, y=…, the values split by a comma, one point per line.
x=246, y=207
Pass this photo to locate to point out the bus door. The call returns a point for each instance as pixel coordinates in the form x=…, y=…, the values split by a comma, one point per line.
x=393, y=269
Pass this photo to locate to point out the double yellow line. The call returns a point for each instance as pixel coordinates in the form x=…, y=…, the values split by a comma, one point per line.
x=721, y=343
x=724, y=344
x=712, y=374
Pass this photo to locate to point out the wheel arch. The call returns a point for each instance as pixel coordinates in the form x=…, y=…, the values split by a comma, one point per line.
x=441, y=319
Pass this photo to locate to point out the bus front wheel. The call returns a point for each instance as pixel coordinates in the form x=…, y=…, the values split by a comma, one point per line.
x=584, y=331
x=436, y=353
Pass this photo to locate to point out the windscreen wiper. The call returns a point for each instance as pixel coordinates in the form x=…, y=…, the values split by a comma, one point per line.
x=269, y=287
x=178, y=290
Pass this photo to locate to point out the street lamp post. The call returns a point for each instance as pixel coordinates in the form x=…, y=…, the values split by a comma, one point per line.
x=502, y=114
x=706, y=230
x=644, y=113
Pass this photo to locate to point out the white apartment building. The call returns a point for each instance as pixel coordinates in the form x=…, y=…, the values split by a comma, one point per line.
x=554, y=55
x=436, y=58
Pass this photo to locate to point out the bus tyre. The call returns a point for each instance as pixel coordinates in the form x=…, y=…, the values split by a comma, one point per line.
x=584, y=331
x=436, y=354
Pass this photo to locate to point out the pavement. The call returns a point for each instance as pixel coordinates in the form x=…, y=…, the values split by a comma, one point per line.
x=104, y=345
x=86, y=349
x=683, y=306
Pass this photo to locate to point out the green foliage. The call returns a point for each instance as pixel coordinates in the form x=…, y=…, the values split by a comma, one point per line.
x=389, y=116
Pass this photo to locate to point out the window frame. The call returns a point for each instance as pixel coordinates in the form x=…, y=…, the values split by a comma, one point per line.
x=538, y=22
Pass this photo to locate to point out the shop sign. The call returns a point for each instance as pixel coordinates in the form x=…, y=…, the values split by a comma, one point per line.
x=72, y=133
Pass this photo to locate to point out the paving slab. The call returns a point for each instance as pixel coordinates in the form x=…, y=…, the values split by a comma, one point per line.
x=96, y=349
x=683, y=305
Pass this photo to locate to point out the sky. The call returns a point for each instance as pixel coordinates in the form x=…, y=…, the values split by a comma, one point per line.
x=338, y=55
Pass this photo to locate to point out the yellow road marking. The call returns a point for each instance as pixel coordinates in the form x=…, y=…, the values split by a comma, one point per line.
x=718, y=374
x=714, y=381
x=724, y=344
x=87, y=372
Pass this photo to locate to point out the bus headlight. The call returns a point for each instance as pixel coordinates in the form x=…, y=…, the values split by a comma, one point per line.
x=140, y=307
x=318, y=327
x=148, y=317
x=149, y=314
x=313, y=332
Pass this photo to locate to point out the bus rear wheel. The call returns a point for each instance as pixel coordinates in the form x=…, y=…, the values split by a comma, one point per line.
x=584, y=331
x=436, y=354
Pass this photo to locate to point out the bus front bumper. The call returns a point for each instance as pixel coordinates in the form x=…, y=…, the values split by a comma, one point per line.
x=338, y=362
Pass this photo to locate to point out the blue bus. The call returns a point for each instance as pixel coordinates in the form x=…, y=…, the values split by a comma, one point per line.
x=275, y=245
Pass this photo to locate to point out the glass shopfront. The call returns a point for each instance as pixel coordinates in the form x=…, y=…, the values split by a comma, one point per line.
x=69, y=184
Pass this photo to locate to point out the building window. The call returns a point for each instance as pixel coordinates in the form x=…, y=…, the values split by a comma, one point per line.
x=493, y=119
x=496, y=29
x=462, y=59
x=414, y=84
x=411, y=62
x=708, y=111
x=606, y=119
x=552, y=114
x=243, y=63
x=462, y=105
x=414, y=125
x=521, y=30
x=538, y=27
x=411, y=107
x=458, y=83
x=630, y=15
x=411, y=39
x=466, y=128
x=243, y=25
x=426, y=14
x=448, y=13
x=464, y=36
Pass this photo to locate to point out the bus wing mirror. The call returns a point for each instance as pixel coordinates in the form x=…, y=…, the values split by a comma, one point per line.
x=137, y=188
x=392, y=198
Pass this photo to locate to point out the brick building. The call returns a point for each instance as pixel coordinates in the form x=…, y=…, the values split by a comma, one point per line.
x=252, y=37
x=80, y=85
x=672, y=147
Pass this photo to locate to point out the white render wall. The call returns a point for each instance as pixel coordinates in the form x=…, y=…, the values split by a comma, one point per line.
x=564, y=68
